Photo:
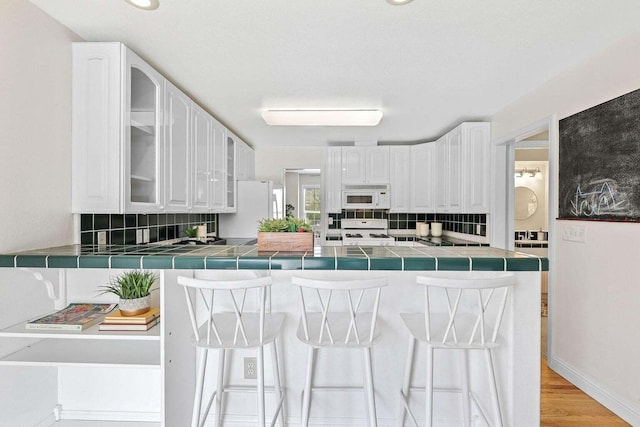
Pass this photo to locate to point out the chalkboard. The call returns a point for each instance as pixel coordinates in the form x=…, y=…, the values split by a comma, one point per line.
x=599, y=173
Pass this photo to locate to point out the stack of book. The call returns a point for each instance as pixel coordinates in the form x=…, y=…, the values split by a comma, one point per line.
x=142, y=322
x=74, y=317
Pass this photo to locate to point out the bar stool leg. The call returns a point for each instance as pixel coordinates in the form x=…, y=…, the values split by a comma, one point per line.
x=260, y=372
x=428, y=420
x=371, y=403
x=466, y=402
x=220, y=387
x=276, y=381
x=197, y=398
x=406, y=383
x=306, y=402
x=494, y=387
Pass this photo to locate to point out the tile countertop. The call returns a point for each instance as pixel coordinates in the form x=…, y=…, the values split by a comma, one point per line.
x=247, y=257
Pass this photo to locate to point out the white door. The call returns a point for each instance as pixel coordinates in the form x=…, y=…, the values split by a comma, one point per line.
x=422, y=178
x=202, y=167
x=400, y=181
x=177, y=149
x=377, y=166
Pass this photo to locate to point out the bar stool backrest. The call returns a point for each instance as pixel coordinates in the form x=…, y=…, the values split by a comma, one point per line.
x=227, y=321
x=341, y=313
x=472, y=313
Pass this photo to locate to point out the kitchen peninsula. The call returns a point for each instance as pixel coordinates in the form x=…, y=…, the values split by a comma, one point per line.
x=164, y=356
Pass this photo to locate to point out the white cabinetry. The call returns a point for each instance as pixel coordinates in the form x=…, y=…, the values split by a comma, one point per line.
x=422, y=172
x=178, y=143
x=245, y=162
x=332, y=176
x=116, y=131
x=141, y=145
x=365, y=165
x=400, y=179
x=230, y=179
x=462, y=169
x=202, y=145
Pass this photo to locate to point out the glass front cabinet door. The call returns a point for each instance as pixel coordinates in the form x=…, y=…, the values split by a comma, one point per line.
x=143, y=131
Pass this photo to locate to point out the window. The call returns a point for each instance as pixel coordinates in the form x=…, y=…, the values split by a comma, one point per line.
x=312, y=205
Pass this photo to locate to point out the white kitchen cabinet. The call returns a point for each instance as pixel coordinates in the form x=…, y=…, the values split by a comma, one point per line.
x=400, y=178
x=202, y=145
x=178, y=143
x=245, y=162
x=332, y=176
x=218, y=194
x=230, y=176
x=365, y=165
x=462, y=169
x=422, y=173
x=476, y=171
x=117, y=135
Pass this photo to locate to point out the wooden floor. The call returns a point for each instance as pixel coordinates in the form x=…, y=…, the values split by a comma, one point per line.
x=564, y=405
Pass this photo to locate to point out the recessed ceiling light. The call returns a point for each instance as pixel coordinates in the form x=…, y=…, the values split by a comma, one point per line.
x=398, y=2
x=144, y=4
x=322, y=117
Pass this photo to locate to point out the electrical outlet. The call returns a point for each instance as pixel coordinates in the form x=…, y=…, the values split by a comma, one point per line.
x=250, y=368
x=575, y=233
x=139, y=236
x=145, y=235
x=102, y=237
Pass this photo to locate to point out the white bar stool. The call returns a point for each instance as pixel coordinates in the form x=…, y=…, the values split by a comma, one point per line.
x=322, y=326
x=227, y=326
x=467, y=316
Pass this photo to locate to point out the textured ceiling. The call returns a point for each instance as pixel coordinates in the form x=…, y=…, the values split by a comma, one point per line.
x=428, y=65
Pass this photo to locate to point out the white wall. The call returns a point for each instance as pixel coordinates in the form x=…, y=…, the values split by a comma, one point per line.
x=35, y=182
x=35, y=118
x=272, y=161
x=595, y=294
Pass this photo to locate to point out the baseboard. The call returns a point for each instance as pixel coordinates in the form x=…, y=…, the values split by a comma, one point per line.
x=153, y=417
x=621, y=408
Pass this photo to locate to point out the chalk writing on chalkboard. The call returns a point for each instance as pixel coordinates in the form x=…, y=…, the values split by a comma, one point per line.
x=599, y=173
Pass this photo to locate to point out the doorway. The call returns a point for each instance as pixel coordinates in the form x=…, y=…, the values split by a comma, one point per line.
x=302, y=196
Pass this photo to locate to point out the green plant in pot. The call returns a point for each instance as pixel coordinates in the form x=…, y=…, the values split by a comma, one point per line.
x=276, y=225
x=133, y=288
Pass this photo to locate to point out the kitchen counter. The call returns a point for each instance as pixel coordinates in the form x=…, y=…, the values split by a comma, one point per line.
x=169, y=359
x=247, y=257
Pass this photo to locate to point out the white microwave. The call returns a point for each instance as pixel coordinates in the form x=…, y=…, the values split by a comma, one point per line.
x=366, y=197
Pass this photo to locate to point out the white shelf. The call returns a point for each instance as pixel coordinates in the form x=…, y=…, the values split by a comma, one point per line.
x=86, y=353
x=19, y=331
x=142, y=178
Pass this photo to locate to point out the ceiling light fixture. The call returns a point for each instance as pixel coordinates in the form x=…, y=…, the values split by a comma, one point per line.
x=144, y=4
x=322, y=117
x=398, y=2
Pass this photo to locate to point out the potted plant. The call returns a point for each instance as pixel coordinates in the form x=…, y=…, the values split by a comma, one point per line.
x=285, y=235
x=133, y=289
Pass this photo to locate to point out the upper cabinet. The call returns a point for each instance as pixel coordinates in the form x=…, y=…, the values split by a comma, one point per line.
x=178, y=144
x=421, y=183
x=332, y=179
x=117, y=134
x=400, y=179
x=139, y=144
x=365, y=165
x=246, y=162
x=462, y=169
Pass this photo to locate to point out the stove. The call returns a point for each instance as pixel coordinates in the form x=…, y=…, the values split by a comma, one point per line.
x=366, y=232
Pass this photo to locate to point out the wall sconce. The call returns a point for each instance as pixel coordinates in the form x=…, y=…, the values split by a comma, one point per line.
x=527, y=172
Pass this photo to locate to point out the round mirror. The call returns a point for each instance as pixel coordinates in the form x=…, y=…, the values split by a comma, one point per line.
x=526, y=202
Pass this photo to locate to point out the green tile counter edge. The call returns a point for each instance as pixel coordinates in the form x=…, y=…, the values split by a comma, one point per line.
x=247, y=258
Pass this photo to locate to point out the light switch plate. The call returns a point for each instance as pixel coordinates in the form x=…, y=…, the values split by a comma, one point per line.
x=575, y=233
x=102, y=237
x=139, y=236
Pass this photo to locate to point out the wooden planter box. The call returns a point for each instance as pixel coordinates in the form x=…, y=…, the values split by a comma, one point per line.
x=285, y=242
